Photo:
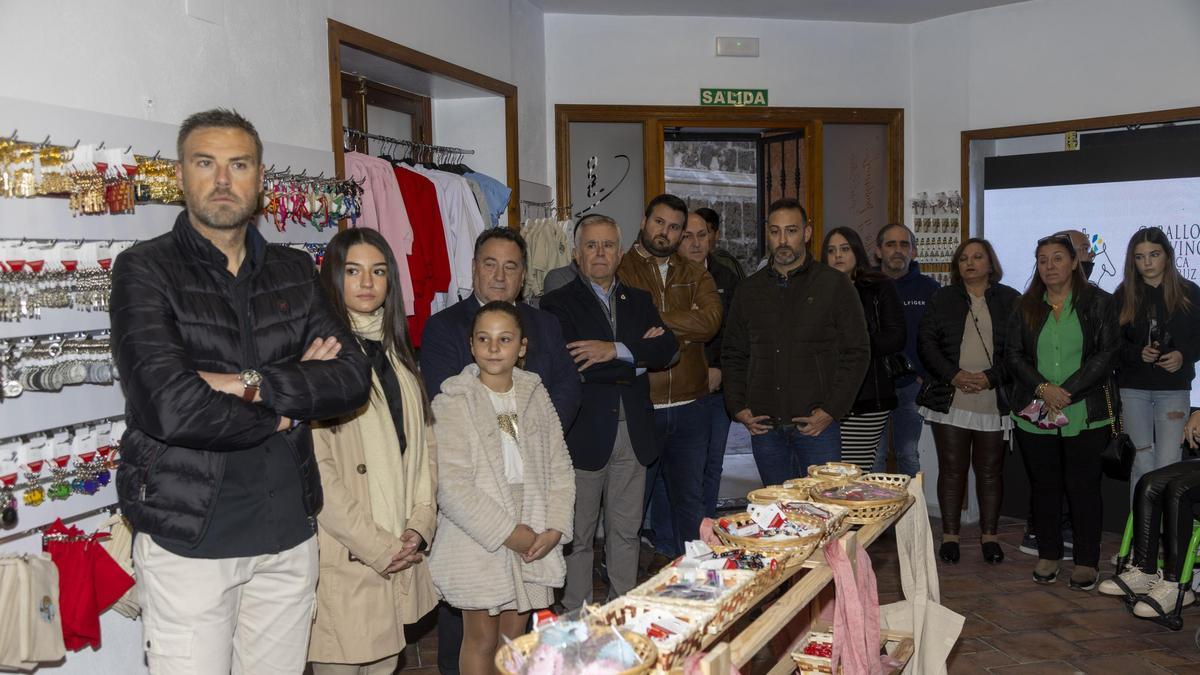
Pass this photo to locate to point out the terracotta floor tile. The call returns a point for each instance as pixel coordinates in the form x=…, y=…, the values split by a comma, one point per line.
x=1040, y=668
x=1035, y=602
x=1113, y=622
x=1168, y=658
x=1122, y=645
x=1013, y=622
x=1184, y=641
x=1125, y=663
x=986, y=659
x=974, y=627
x=1072, y=633
x=1033, y=646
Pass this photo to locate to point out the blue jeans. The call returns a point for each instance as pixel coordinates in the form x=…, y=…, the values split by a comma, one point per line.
x=718, y=436
x=784, y=453
x=676, y=511
x=1154, y=421
x=905, y=427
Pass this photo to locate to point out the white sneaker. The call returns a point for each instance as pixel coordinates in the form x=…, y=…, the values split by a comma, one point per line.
x=1165, y=593
x=1138, y=581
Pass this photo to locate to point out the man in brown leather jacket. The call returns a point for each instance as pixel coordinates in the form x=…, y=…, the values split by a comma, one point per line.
x=687, y=300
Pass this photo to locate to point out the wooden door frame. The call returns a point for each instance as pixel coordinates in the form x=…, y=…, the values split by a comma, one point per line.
x=655, y=119
x=343, y=34
x=1047, y=128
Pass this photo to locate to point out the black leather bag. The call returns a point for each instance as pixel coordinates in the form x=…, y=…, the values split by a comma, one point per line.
x=1117, y=456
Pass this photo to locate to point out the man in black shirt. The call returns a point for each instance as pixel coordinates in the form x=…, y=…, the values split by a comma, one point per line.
x=225, y=346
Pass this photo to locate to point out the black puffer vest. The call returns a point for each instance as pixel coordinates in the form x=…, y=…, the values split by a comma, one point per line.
x=173, y=313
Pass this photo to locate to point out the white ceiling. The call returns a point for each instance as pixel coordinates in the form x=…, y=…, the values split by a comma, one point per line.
x=878, y=11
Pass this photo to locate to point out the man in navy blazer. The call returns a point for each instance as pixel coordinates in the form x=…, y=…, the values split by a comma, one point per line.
x=614, y=333
x=497, y=273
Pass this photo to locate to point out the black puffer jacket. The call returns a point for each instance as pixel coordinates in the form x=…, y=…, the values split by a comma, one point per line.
x=1100, y=345
x=939, y=341
x=884, y=313
x=173, y=314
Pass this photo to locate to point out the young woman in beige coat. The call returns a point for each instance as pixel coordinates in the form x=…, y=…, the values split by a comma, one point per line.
x=379, y=476
x=507, y=493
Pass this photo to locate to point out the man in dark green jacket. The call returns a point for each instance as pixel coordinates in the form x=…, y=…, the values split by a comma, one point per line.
x=795, y=351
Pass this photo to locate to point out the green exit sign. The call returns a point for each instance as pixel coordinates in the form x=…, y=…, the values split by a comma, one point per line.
x=734, y=97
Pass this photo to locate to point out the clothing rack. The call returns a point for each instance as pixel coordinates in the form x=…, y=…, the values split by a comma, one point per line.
x=111, y=510
x=449, y=150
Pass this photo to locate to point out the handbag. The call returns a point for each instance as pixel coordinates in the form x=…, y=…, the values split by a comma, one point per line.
x=1117, y=455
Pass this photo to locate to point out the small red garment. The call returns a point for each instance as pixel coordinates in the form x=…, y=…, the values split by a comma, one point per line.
x=89, y=582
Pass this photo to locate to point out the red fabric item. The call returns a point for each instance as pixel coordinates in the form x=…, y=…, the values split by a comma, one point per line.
x=855, y=613
x=429, y=263
x=89, y=582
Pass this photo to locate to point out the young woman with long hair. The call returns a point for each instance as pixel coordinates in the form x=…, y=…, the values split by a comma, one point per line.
x=1060, y=345
x=961, y=344
x=1159, y=316
x=378, y=474
x=863, y=428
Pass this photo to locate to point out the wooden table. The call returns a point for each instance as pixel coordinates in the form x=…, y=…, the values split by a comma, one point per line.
x=810, y=577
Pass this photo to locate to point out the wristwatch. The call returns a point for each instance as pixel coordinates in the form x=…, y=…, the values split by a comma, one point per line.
x=251, y=379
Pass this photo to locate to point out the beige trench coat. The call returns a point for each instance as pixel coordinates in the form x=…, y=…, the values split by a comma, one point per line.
x=360, y=614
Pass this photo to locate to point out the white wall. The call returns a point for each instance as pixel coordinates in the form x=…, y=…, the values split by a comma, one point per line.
x=268, y=58
x=1043, y=61
x=667, y=60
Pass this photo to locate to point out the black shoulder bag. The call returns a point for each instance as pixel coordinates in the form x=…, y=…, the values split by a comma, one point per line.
x=1117, y=456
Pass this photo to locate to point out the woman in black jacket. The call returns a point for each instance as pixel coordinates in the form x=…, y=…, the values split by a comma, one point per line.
x=1158, y=314
x=961, y=344
x=863, y=427
x=1060, y=348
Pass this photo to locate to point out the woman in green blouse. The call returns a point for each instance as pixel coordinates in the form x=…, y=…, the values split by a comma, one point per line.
x=1062, y=342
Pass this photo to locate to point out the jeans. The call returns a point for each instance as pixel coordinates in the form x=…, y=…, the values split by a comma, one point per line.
x=784, y=453
x=905, y=433
x=718, y=436
x=676, y=512
x=1154, y=421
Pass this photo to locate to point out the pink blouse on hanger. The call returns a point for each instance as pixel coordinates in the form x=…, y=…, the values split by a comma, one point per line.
x=383, y=210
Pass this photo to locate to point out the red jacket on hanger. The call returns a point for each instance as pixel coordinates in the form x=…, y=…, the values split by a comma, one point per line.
x=429, y=262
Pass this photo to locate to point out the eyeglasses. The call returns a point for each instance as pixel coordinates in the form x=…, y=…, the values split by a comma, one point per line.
x=1057, y=239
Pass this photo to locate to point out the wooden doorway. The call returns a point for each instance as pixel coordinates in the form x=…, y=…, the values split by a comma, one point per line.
x=342, y=35
x=655, y=121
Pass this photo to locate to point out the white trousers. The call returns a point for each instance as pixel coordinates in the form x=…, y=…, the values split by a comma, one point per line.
x=216, y=616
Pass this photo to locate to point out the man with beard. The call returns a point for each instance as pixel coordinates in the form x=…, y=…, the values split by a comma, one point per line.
x=897, y=250
x=687, y=300
x=226, y=347
x=795, y=351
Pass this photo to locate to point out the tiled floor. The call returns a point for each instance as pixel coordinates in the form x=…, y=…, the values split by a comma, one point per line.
x=1012, y=624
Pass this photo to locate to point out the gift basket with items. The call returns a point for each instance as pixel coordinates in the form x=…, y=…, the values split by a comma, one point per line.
x=699, y=596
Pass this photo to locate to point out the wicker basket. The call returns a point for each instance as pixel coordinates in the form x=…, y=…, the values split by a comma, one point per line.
x=838, y=473
x=813, y=665
x=799, y=548
x=739, y=590
x=671, y=651
x=836, y=525
x=803, y=484
x=642, y=646
x=894, y=481
x=864, y=512
x=775, y=493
